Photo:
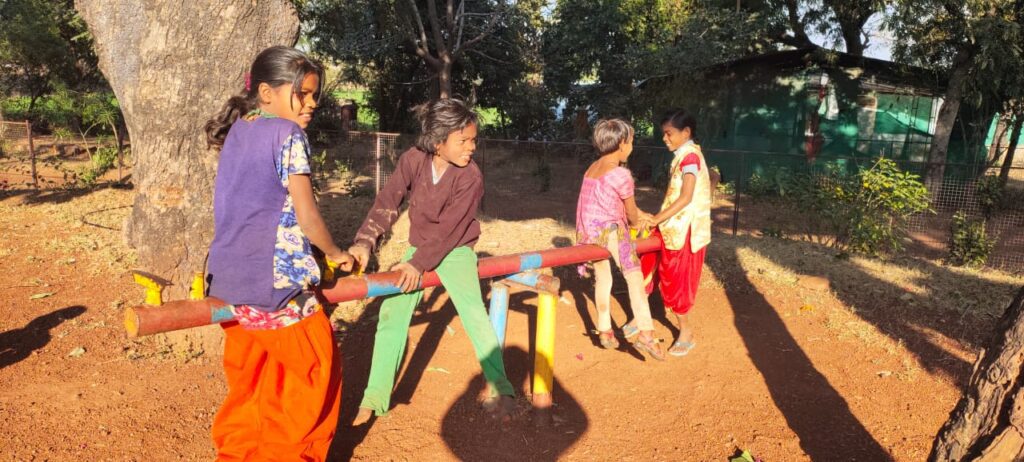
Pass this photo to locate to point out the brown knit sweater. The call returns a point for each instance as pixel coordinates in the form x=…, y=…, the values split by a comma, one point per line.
x=442, y=216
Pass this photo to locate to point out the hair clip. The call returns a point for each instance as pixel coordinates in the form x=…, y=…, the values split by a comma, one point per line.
x=248, y=82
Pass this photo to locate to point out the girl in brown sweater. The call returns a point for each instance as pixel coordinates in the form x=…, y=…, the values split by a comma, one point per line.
x=444, y=187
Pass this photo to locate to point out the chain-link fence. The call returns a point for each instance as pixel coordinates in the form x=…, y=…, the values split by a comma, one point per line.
x=753, y=181
x=17, y=155
x=541, y=179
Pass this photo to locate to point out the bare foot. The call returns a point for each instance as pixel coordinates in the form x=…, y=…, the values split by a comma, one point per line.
x=500, y=407
x=362, y=417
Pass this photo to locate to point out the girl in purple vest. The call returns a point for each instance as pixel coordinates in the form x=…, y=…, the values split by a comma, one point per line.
x=279, y=357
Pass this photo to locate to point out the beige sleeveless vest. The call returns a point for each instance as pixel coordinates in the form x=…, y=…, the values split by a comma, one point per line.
x=696, y=216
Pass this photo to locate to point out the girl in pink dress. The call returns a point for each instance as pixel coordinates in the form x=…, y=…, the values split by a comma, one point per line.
x=605, y=209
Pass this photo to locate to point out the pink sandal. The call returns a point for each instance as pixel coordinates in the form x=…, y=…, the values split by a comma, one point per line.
x=608, y=340
x=649, y=346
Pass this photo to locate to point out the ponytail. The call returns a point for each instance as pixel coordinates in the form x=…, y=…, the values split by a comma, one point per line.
x=237, y=106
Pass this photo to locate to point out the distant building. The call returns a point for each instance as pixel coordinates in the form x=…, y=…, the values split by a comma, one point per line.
x=815, y=104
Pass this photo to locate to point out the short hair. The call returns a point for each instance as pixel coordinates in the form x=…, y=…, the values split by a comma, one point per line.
x=610, y=133
x=440, y=118
x=681, y=120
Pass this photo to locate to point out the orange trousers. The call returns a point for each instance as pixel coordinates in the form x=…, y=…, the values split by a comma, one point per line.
x=284, y=391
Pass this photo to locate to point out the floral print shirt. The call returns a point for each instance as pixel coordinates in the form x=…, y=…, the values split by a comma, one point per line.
x=294, y=266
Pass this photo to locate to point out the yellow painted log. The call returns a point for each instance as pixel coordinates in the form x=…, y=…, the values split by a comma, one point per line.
x=544, y=360
x=198, y=289
x=153, y=286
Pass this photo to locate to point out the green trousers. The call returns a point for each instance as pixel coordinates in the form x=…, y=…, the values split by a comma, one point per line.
x=459, y=277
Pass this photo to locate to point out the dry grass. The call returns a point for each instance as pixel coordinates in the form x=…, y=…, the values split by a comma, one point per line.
x=880, y=302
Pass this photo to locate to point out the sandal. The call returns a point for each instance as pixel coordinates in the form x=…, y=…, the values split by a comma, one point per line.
x=500, y=407
x=649, y=346
x=629, y=330
x=608, y=340
x=681, y=348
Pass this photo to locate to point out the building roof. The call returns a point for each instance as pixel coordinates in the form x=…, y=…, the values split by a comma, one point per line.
x=881, y=75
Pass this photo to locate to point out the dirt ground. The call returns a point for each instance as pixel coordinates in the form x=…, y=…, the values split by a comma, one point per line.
x=867, y=369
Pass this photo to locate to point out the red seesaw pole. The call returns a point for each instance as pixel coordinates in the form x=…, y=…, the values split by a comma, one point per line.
x=183, y=314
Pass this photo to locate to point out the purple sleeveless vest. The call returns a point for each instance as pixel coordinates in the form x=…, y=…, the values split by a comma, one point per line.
x=247, y=201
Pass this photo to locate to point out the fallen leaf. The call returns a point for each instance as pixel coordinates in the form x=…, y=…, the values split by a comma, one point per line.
x=745, y=457
x=884, y=374
x=79, y=351
x=41, y=295
x=807, y=308
x=438, y=369
x=579, y=356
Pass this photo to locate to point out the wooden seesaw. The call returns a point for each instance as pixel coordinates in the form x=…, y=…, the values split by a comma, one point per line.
x=520, y=270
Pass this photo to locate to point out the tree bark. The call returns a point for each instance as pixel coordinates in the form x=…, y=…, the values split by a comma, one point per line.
x=988, y=422
x=1011, y=149
x=444, y=81
x=995, y=150
x=172, y=65
x=935, y=169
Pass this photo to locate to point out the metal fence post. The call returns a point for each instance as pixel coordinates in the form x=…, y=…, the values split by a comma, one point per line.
x=32, y=154
x=483, y=169
x=376, y=160
x=736, y=197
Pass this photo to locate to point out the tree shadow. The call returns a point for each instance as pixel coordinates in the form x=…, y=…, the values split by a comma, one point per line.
x=813, y=409
x=357, y=360
x=472, y=435
x=18, y=344
x=902, y=314
x=58, y=195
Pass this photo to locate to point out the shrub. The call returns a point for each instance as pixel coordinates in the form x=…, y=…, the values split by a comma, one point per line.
x=726, y=188
x=989, y=191
x=864, y=212
x=773, y=181
x=91, y=112
x=968, y=244
x=758, y=186
x=102, y=160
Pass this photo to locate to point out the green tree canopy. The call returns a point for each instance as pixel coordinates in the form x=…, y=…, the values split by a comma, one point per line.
x=44, y=45
x=417, y=49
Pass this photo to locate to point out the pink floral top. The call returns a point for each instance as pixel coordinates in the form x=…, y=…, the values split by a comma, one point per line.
x=600, y=203
x=600, y=210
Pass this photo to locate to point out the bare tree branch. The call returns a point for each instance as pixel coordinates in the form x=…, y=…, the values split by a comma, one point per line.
x=435, y=26
x=799, y=38
x=421, y=41
x=462, y=23
x=449, y=15
x=487, y=30
x=485, y=55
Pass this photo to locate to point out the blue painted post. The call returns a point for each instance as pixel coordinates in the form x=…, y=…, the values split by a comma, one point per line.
x=499, y=311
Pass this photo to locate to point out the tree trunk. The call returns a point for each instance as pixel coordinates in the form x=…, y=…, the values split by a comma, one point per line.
x=444, y=81
x=172, y=65
x=1011, y=149
x=935, y=170
x=988, y=422
x=994, y=151
x=851, y=37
